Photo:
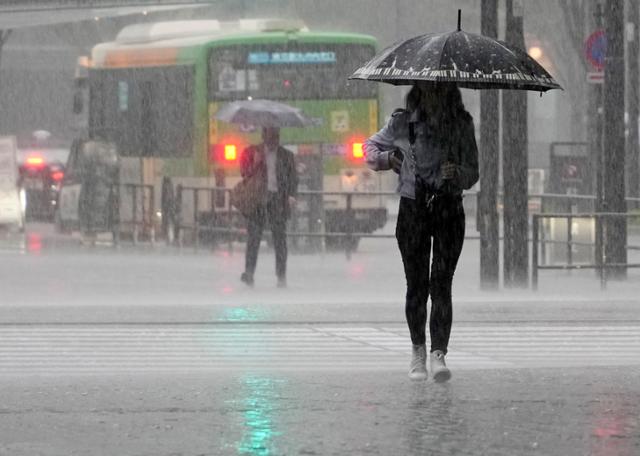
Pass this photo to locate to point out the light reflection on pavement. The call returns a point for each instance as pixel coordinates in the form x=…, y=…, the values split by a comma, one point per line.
x=260, y=400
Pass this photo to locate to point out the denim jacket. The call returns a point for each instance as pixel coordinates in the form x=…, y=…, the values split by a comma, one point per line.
x=459, y=147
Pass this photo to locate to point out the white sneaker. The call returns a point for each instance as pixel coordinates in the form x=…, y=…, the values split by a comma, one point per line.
x=441, y=372
x=418, y=367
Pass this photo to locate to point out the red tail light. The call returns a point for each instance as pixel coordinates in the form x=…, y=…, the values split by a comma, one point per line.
x=230, y=152
x=57, y=176
x=357, y=150
x=35, y=161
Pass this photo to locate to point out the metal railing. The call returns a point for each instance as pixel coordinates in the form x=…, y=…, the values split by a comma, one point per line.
x=196, y=226
x=227, y=220
x=140, y=199
x=601, y=264
x=139, y=202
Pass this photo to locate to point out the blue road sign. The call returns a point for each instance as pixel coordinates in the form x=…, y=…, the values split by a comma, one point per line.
x=595, y=49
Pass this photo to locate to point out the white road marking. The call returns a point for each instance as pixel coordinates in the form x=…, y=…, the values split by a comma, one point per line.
x=139, y=349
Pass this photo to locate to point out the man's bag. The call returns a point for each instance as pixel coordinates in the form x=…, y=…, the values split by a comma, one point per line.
x=248, y=194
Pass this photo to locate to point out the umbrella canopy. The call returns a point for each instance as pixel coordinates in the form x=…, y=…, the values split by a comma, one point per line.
x=466, y=59
x=263, y=113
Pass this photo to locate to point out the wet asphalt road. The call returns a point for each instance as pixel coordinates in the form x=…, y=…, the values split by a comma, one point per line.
x=573, y=411
x=157, y=352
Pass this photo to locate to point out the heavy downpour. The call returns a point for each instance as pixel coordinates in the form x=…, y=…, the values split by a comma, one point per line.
x=337, y=227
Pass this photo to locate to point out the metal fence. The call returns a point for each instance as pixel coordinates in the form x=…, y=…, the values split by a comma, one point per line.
x=600, y=264
x=227, y=222
x=205, y=211
x=136, y=213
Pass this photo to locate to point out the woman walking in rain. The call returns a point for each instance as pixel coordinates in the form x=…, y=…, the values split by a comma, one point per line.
x=431, y=145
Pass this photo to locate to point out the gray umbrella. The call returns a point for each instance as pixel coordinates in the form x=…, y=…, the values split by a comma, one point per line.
x=263, y=113
x=466, y=59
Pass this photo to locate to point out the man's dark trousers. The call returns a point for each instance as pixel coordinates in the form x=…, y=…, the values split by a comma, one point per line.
x=274, y=214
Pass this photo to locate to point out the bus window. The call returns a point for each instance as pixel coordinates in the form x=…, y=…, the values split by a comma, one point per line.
x=146, y=112
x=295, y=71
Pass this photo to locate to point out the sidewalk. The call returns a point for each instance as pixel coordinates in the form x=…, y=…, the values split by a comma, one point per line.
x=64, y=281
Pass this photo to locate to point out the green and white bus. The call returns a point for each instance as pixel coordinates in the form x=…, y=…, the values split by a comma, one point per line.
x=155, y=90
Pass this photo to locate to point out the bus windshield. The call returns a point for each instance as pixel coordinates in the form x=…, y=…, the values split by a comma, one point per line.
x=293, y=71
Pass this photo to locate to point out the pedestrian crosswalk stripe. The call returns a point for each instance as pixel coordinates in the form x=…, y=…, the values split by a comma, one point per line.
x=130, y=349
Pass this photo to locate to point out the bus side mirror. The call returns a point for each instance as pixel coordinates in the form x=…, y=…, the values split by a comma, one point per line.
x=78, y=103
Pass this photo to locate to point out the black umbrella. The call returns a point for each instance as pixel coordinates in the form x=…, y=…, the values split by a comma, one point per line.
x=466, y=59
x=263, y=113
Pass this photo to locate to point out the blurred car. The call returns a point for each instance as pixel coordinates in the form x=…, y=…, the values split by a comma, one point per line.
x=41, y=170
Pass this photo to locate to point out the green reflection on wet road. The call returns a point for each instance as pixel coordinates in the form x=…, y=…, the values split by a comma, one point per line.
x=258, y=405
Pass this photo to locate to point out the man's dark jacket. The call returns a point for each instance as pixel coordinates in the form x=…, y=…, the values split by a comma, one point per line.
x=286, y=173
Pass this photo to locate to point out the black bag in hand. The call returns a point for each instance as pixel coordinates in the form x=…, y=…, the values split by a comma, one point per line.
x=396, y=158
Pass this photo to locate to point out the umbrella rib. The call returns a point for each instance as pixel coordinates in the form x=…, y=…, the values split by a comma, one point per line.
x=446, y=40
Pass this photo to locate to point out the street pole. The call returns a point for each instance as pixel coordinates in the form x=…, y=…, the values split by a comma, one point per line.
x=515, y=165
x=614, y=141
x=596, y=135
x=633, y=179
x=4, y=36
x=489, y=173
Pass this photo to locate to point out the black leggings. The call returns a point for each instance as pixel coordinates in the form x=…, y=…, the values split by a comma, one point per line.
x=418, y=225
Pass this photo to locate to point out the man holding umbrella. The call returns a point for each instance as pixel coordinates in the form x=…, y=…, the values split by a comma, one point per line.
x=273, y=169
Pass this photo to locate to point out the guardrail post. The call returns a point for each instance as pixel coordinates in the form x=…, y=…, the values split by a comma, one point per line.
x=569, y=241
x=178, y=215
x=213, y=219
x=143, y=209
x=602, y=256
x=350, y=219
x=152, y=215
x=196, y=225
x=543, y=241
x=134, y=216
x=229, y=219
x=534, y=252
x=115, y=213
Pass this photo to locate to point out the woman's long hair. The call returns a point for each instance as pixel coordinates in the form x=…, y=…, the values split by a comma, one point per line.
x=451, y=110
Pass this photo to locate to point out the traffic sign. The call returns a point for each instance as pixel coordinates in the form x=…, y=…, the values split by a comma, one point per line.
x=596, y=77
x=595, y=49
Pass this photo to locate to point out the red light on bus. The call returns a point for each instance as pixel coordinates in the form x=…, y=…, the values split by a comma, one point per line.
x=357, y=150
x=35, y=161
x=230, y=152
